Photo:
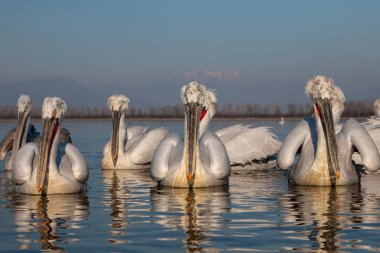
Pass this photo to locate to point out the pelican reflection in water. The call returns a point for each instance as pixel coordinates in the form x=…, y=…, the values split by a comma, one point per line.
x=21, y=134
x=197, y=211
x=56, y=218
x=50, y=166
x=323, y=216
x=326, y=147
x=118, y=197
x=132, y=147
x=198, y=161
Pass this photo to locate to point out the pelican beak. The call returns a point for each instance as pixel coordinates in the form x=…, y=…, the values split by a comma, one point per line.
x=116, y=116
x=192, y=111
x=21, y=131
x=50, y=129
x=324, y=112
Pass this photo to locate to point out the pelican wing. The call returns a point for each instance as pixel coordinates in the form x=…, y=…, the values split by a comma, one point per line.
x=165, y=156
x=76, y=165
x=372, y=125
x=373, y=129
x=218, y=159
x=136, y=131
x=143, y=150
x=292, y=143
x=24, y=163
x=375, y=135
x=6, y=143
x=360, y=138
x=372, y=122
x=245, y=144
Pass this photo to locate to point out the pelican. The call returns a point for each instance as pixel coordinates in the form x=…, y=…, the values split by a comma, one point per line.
x=129, y=148
x=50, y=167
x=281, y=121
x=326, y=156
x=19, y=135
x=198, y=161
x=243, y=143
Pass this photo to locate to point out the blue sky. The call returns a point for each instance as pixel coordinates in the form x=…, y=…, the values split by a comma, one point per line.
x=137, y=43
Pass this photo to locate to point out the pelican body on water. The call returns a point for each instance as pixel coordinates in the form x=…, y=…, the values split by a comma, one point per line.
x=201, y=160
x=326, y=147
x=50, y=166
x=132, y=147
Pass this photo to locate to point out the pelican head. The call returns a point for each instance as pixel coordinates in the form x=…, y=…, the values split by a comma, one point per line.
x=323, y=92
x=24, y=104
x=53, y=110
x=117, y=104
x=376, y=107
x=328, y=101
x=193, y=97
x=24, y=107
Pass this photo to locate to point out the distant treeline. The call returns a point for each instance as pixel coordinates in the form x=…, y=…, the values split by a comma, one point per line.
x=352, y=109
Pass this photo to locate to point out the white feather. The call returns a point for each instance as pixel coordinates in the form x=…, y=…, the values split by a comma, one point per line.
x=245, y=144
x=53, y=106
x=24, y=103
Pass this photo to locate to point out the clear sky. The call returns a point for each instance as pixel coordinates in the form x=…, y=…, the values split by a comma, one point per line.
x=98, y=42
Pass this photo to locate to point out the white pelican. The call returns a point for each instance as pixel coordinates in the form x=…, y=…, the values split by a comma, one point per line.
x=326, y=157
x=244, y=144
x=282, y=121
x=129, y=148
x=50, y=167
x=19, y=135
x=199, y=161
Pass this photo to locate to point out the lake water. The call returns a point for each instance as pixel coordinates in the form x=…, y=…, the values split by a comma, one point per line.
x=124, y=211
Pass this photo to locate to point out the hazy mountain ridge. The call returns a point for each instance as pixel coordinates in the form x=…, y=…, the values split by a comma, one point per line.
x=234, y=91
x=71, y=91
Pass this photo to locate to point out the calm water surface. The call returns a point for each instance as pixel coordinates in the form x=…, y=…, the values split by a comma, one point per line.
x=124, y=211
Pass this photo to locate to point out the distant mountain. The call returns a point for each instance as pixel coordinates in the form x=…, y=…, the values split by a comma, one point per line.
x=71, y=91
x=228, y=90
x=229, y=86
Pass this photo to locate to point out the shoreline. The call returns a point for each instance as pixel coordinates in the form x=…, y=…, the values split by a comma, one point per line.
x=181, y=119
